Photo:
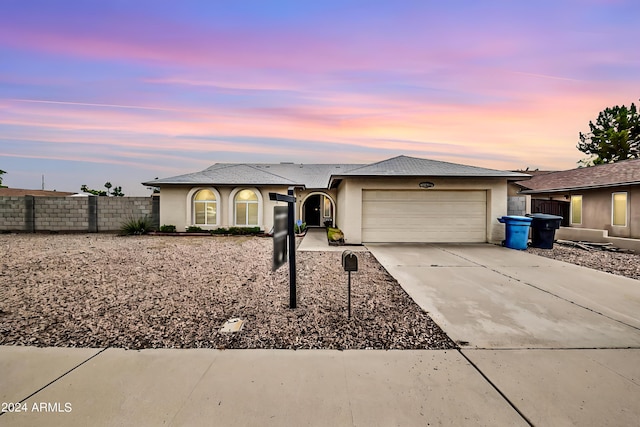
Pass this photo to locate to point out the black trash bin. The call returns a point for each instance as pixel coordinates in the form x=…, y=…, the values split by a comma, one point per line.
x=543, y=229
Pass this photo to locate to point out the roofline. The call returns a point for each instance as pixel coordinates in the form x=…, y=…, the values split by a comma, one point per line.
x=248, y=184
x=158, y=184
x=519, y=177
x=585, y=187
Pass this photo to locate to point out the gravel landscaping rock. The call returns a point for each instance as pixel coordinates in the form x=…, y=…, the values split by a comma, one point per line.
x=622, y=264
x=176, y=292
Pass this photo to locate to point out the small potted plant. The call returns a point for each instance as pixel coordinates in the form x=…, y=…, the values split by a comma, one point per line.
x=300, y=228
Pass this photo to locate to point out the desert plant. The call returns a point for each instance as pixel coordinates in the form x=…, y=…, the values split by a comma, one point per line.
x=168, y=228
x=335, y=234
x=136, y=226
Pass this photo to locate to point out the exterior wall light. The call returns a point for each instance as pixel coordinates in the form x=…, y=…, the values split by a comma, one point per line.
x=426, y=184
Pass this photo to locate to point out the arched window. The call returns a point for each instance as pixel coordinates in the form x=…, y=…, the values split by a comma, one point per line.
x=246, y=206
x=205, y=208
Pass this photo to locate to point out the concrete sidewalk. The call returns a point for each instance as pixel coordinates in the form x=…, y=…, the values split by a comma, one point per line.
x=247, y=388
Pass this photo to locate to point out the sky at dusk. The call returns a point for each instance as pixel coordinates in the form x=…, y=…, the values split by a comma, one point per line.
x=126, y=91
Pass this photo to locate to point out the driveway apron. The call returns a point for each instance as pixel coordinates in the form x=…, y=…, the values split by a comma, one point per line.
x=560, y=343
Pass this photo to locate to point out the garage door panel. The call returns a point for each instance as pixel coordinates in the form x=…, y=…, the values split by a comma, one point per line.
x=426, y=195
x=420, y=236
x=423, y=216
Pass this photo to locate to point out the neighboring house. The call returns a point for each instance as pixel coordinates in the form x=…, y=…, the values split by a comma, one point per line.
x=402, y=199
x=603, y=197
x=20, y=192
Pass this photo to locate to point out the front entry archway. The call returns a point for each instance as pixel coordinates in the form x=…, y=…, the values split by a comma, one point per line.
x=317, y=209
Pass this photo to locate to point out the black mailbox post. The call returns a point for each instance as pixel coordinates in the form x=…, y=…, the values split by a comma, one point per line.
x=349, y=263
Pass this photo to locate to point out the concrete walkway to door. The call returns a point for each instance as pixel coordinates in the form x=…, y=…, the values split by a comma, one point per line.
x=559, y=341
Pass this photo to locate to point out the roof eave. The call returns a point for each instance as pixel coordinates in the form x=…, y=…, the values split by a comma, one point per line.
x=252, y=184
x=584, y=187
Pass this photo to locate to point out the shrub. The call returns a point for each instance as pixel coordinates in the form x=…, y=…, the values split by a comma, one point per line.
x=194, y=229
x=136, y=226
x=168, y=228
x=235, y=231
x=334, y=234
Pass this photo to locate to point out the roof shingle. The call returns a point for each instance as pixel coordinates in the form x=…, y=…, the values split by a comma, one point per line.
x=608, y=175
x=413, y=166
x=319, y=175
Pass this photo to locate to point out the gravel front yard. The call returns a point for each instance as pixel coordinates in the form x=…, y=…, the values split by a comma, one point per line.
x=622, y=264
x=170, y=292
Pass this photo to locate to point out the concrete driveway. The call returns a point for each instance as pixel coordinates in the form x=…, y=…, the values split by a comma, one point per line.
x=560, y=343
x=486, y=296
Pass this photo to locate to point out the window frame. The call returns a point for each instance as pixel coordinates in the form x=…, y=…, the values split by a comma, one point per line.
x=246, y=204
x=626, y=209
x=571, y=213
x=190, y=219
x=207, y=204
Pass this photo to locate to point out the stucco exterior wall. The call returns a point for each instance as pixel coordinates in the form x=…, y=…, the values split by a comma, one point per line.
x=173, y=207
x=176, y=202
x=350, y=200
x=349, y=218
x=597, y=210
x=176, y=205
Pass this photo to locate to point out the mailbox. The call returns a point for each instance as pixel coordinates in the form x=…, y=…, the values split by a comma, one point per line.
x=349, y=261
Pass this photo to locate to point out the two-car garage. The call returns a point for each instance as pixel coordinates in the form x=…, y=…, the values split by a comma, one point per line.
x=424, y=216
x=407, y=199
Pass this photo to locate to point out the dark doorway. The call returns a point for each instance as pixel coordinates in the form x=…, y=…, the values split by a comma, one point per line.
x=312, y=210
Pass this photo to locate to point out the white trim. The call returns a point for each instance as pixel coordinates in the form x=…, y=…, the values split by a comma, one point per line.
x=190, y=220
x=626, y=208
x=232, y=206
x=313, y=193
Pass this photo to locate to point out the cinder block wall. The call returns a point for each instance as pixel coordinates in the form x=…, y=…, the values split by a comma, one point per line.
x=516, y=205
x=12, y=213
x=61, y=213
x=71, y=214
x=113, y=211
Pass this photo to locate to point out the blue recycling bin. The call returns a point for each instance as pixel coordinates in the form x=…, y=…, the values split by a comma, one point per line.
x=516, y=231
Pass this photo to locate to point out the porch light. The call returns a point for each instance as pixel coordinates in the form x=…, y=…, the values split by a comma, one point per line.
x=426, y=184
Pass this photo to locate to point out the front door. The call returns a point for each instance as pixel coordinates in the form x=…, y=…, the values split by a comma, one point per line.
x=312, y=211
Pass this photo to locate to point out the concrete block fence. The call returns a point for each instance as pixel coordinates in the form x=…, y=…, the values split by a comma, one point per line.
x=74, y=214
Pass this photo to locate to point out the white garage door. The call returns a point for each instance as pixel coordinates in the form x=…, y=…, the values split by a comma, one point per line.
x=424, y=216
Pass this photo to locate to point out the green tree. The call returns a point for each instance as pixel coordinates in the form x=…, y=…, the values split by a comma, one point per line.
x=615, y=136
x=1, y=173
x=86, y=189
x=117, y=191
